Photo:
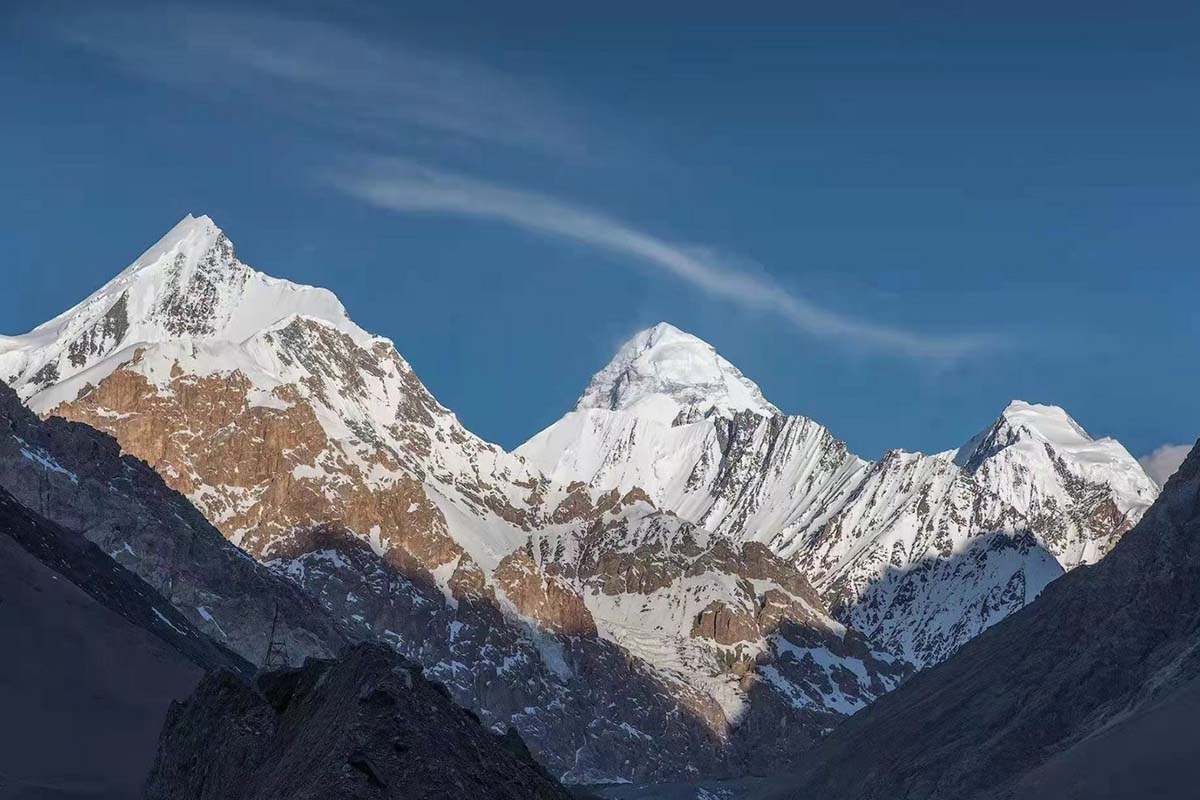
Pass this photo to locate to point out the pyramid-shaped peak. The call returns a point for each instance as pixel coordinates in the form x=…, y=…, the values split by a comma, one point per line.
x=192, y=236
x=1051, y=423
x=188, y=285
x=191, y=283
x=192, y=223
x=663, y=371
x=1027, y=425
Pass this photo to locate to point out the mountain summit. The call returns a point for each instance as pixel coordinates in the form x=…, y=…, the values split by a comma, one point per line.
x=1037, y=457
x=662, y=373
x=188, y=286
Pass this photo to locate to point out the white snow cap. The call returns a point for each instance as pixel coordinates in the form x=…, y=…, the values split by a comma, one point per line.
x=1036, y=425
x=662, y=371
x=188, y=286
x=1051, y=422
x=191, y=236
x=1025, y=430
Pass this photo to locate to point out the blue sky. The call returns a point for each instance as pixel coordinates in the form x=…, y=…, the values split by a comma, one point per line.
x=893, y=219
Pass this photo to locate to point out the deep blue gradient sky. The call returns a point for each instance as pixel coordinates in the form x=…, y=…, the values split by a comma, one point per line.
x=1012, y=196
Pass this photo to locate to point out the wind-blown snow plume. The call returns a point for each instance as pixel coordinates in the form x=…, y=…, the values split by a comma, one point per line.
x=404, y=186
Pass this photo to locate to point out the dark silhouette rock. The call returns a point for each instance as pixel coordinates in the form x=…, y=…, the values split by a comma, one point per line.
x=367, y=725
x=93, y=659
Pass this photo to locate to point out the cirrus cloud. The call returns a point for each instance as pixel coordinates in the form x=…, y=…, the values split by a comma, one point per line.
x=327, y=74
x=404, y=186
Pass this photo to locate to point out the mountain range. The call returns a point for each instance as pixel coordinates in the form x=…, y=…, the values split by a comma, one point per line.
x=674, y=580
x=1091, y=692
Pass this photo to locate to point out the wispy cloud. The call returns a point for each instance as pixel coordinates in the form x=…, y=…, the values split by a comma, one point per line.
x=327, y=74
x=1164, y=462
x=404, y=186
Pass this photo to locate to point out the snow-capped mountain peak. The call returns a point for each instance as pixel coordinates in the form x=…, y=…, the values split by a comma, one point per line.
x=193, y=236
x=188, y=286
x=662, y=373
x=1021, y=422
x=1046, y=443
x=1050, y=423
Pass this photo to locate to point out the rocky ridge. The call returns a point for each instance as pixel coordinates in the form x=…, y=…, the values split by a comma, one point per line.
x=1061, y=692
x=919, y=552
x=78, y=478
x=355, y=727
x=95, y=657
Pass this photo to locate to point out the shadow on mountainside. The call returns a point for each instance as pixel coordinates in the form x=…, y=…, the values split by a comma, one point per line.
x=79, y=478
x=862, y=761
x=365, y=725
x=93, y=657
x=1099, y=644
x=939, y=603
x=588, y=709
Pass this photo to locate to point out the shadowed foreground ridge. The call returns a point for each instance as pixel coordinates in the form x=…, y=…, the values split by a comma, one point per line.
x=95, y=656
x=1066, y=682
x=367, y=725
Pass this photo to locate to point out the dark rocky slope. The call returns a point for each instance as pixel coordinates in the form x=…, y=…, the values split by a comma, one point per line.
x=1155, y=752
x=79, y=478
x=93, y=657
x=1103, y=647
x=367, y=725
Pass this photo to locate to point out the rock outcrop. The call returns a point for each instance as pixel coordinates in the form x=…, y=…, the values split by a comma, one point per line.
x=78, y=477
x=367, y=725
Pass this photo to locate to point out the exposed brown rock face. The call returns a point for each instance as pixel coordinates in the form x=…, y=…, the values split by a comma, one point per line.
x=725, y=625
x=77, y=477
x=259, y=471
x=265, y=468
x=543, y=595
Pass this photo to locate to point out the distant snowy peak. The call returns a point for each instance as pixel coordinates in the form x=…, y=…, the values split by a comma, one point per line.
x=189, y=286
x=1042, y=447
x=1021, y=421
x=670, y=376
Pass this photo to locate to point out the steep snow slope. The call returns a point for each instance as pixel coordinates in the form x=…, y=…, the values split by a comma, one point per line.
x=1071, y=486
x=920, y=552
x=730, y=462
x=314, y=446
